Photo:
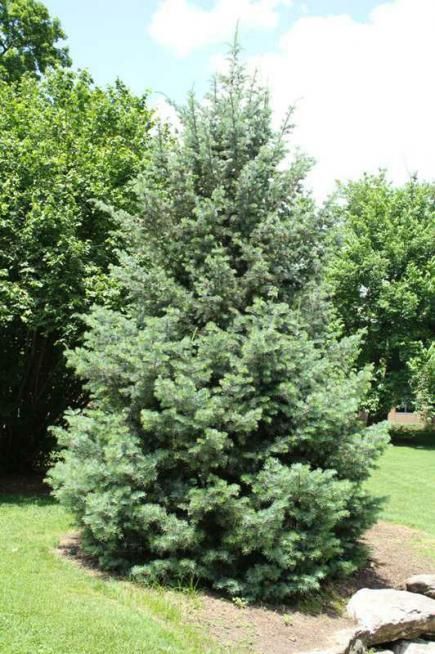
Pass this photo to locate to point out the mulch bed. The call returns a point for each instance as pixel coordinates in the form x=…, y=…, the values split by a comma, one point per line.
x=394, y=556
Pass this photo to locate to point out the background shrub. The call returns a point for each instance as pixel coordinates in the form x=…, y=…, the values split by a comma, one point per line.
x=410, y=435
x=63, y=143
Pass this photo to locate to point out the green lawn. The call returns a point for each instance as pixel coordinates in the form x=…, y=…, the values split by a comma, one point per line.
x=406, y=476
x=50, y=606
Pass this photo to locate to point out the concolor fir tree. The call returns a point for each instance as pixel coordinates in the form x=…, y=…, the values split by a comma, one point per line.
x=222, y=442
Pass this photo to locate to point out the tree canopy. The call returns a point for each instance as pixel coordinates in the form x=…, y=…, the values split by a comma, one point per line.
x=64, y=143
x=383, y=279
x=422, y=369
x=221, y=443
x=29, y=39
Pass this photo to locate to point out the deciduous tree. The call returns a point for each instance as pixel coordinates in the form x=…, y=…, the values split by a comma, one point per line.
x=63, y=143
x=29, y=39
x=383, y=278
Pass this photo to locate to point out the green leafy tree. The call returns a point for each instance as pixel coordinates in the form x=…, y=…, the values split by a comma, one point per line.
x=63, y=143
x=383, y=279
x=28, y=40
x=422, y=369
x=222, y=441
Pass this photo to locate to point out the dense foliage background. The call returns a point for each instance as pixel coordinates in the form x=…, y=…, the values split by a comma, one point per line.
x=383, y=278
x=222, y=442
x=29, y=40
x=64, y=142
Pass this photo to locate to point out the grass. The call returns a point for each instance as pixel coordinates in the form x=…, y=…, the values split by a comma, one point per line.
x=49, y=605
x=406, y=477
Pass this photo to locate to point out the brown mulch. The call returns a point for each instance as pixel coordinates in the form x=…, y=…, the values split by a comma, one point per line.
x=396, y=554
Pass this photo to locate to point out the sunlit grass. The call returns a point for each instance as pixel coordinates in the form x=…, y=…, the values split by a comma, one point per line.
x=49, y=605
x=406, y=477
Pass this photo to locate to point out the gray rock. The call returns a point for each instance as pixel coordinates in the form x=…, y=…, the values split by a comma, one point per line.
x=352, y=644
x=386, y=615
x=423, y=584
x=346, y=642
x=414, y=647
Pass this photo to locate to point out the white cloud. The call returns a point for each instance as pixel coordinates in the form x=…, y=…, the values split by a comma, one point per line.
x=184, y=26
x=166, y=111
x=364, y=92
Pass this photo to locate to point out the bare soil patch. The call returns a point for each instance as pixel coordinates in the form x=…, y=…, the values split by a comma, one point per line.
x=69, y=548
x=396, y=554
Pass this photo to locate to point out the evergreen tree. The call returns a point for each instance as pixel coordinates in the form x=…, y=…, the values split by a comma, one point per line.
x=222, y=442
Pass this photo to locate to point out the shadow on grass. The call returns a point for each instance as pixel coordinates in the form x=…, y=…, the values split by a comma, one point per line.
x=27, y=500
x=329, y=600
x=24, y=490
x=416, y=445
x=421, y=439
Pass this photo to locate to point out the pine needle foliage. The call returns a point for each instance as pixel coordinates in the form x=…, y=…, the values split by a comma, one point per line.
x=222, y=443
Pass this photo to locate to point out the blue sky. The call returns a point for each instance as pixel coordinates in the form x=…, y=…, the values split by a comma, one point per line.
x=358, y=71
x=111, y=39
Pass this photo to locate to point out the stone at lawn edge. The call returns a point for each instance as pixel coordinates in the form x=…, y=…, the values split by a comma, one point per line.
x=386, y=615
x=414, y=647
x=423, y=584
